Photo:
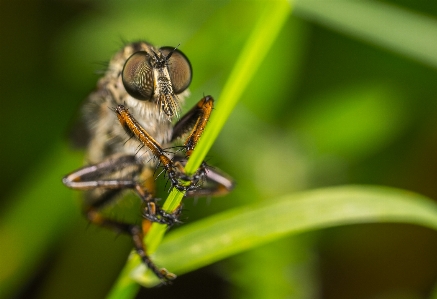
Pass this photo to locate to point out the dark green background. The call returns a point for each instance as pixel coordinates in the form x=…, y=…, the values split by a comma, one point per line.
x=324, y=109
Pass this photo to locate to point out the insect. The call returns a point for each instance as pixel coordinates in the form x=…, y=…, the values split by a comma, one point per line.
x=129, y=122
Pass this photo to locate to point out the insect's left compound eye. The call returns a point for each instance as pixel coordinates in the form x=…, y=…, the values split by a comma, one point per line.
x=179, y=69
x=137, y=76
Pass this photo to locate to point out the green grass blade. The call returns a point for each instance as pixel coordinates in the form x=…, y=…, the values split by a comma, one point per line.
x=220, y=236
x=125, y=286
x=253, y=53
x=250, y=58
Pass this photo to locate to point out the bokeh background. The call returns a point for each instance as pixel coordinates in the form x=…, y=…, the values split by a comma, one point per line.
x=347, y=95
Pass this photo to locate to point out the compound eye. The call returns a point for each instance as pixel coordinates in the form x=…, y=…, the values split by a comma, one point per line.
x=179, y=69
x=137, y=76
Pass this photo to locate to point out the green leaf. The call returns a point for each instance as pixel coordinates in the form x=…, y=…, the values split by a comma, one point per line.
x=251, y=56
x=226, y=234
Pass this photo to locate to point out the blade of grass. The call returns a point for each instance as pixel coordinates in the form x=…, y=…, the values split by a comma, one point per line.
x=251, y=56
x=220, y=236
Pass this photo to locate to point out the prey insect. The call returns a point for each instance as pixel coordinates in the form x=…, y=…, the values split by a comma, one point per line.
x=129, y=126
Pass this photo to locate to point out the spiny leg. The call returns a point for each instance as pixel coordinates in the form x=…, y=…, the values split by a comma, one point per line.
x=194, y=123
x=103, y=185
x=94, y=215
x=197, y=120
x=132, y=127
x=214, y=182
x=199, y=116
x=151, y=211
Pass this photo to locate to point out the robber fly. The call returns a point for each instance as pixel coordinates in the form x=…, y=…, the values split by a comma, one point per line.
x=129, y=123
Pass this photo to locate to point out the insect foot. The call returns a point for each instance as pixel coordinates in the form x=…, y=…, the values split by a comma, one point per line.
x=183, y=182
x=154, y=213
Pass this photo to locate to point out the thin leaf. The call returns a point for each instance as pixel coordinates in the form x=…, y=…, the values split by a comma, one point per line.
x=226, y=234
x=253, y=53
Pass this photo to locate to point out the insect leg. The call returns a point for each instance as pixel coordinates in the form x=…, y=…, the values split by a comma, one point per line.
x=216, y=183
x=93, y=214
x=132, y=127
x=194, y=121
x=102, y=175
x=102, y=182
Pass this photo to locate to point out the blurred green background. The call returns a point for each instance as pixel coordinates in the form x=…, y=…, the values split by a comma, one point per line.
x=347, y=95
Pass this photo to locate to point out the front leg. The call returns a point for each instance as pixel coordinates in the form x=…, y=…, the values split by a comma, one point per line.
x=213, y=181
x=174, y=170
x=194, y=122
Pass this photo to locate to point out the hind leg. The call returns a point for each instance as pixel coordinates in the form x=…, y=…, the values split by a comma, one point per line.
x=103, y=182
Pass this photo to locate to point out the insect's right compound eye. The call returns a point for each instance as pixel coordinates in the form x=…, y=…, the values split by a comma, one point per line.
x=137, y=76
